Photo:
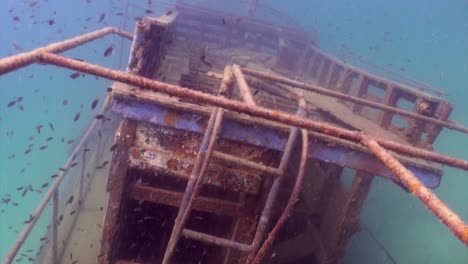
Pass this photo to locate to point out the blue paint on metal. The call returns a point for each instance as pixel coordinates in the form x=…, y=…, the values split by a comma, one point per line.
x=269, y=138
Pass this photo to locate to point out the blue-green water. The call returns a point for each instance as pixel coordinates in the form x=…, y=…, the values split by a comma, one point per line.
x=429, y=39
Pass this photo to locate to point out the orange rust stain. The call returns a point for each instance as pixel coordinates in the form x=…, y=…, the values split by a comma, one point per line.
x=465, y=235
x=275, y=113
x=170, y=118
x=414, y=186
x=173, y=164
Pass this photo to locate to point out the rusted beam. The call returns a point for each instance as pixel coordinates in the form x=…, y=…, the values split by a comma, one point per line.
x=293, y=199
x=215, y=240
x=24, y=59
x=274, y=189
x=345, y=97
x=173, y=198
x=116, y=186
x=246, y=163
x=241, y=107
x=432, y=202
x=243, y=86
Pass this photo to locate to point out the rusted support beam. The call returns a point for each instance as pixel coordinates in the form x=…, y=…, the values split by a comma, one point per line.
x=243, y=86
x=246, y=163
x=273, y=193
x=293, y=199
x=432, y=202
x=345, y=97
x=215, y=240
x=173, y=198
x=24, y=59
x=241, y=107
x=116, y=187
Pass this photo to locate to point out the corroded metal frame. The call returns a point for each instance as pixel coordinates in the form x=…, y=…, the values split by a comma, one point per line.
x=378, y=146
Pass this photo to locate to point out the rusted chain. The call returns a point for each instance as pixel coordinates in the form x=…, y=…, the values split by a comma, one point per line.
x=432, y=202
x=357, y=100
x=242, y=107
x=293, y=199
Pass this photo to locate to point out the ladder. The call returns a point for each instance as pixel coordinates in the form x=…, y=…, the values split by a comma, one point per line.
x=205, y=153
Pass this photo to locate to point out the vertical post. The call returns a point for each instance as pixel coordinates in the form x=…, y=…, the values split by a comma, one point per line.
x=82, y=172
x=54, y=226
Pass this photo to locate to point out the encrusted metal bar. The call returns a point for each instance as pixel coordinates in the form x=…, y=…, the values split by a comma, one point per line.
x=54, y=227
x=273, y=193
x=243, y=86
x=345, y=97
x=215, y=240
x=432, y=202
x=293, y=199
x=199, y=170
x=241, y=107
x=24, y=59
x=246, y=163
x=173, y=198
x=189, y=190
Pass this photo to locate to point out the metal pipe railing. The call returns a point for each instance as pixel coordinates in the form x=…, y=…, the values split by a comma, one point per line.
x=346, y=97
x=427, y=197
x=40, y=208
x=213, y=100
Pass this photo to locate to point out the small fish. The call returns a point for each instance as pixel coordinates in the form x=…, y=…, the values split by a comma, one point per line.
x=38, y=128
x=223, y=20
x=70, y=200
x=43, y=147
x=168, y=13
x=17, y=47
x=27, y=151
x=148, y=11
x=31, y=217
x=65, y=102
x=51, y=127
x=101, y=18
x=99, y=116
x=94, y=103
x=70, y=141
x=51, y=22
x=54, y=176
x=77, y=116
x=86, y=149
x=75, y=75
x=49, y=138
x=20, y=188
x=62, y=169
x=112, y=148
x=44, y=185
x=103, y=165
x=73, y=164
x=109, y=89
x=25, y=191
x=16, y=18
x=12, y=103
x=108, y=51
x=72, y=212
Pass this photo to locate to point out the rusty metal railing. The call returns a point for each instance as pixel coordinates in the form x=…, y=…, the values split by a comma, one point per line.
x=377, y=146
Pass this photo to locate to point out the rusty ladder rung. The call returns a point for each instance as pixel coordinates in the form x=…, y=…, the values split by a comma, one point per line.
x=246, y=163
x=219, y=241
